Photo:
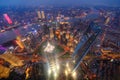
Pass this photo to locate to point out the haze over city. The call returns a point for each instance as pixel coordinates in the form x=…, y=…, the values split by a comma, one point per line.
x=59, y=40
x=60, y=2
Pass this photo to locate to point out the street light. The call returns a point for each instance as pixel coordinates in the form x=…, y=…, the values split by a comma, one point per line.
x=69, y=70
x=55, y=75
x=74, y=75
x=73, y=61
x=49, y=71
x=66, y=72
x=58, y=67
x=68, y=67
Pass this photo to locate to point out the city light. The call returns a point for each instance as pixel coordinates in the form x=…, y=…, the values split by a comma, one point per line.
x=49, y=48
x=112, y=60
x=69, y=70
x=55, y=75
x=58, y=67
x=7, y=18
x=49, y=71
x=60, y=43
x=73, y=61
x=68, y=67
x=74, y=75
x=66, y=72
x=53, y=70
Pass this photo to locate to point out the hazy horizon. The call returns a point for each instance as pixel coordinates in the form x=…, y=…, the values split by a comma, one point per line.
x=59, y=2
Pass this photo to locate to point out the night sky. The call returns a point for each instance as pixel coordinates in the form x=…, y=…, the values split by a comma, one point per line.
x=61, y=2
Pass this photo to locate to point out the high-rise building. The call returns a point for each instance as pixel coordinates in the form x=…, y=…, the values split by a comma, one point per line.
x=7, y=18
x=107, y=21
x=43, y=14
x=39, y=15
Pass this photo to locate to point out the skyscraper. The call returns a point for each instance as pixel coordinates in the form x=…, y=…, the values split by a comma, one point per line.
x=43, y=14
x=39, y=15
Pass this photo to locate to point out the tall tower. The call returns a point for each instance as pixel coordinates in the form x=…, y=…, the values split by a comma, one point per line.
x=43, y=14
x=39, y=15
x=107, y=21
x=7, y=18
